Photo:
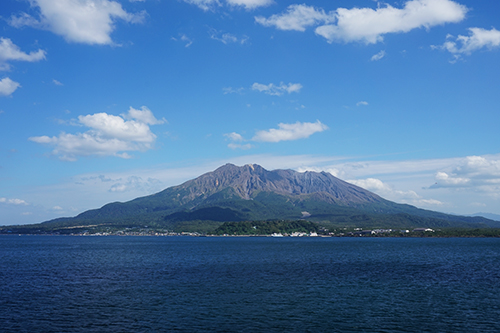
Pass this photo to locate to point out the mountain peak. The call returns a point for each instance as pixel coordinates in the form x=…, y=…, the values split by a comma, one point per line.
x=248, y=180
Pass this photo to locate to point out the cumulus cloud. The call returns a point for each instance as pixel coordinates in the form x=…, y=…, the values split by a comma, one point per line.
x=108, y=135
x=277, y=90
x=78, y=21
x=476, y=172
x=378, y=56
x=367, y=25
x=362, y=103
x=7, y=86
x=288, y=132
x=9, y=51
x=478, y=39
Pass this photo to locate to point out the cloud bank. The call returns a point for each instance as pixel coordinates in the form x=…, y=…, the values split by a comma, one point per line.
x=108, y=135
x=472, y=172
x=387, y=191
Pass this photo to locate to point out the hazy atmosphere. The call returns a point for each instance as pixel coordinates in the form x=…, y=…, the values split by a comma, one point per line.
x=104, y=101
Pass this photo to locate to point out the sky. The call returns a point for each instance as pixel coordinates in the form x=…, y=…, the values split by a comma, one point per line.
x=109, y=100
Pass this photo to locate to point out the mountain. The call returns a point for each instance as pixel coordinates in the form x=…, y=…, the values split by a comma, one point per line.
x=251, y=193
x=494, y=217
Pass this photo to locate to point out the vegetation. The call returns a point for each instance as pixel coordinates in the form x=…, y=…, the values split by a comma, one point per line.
x=200, y=227
x=266, y=227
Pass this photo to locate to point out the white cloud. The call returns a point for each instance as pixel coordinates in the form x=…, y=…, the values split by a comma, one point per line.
x=115, y=127
x=109, y=135
x=478, y=38
x=204, y=4
x=226, y=38
x=279, y=90
x=7, y=86
x=135, y=183
x=371, y=184
x=269, y=89
x=362, y=103
x=378, y=56
x=79, y=21
x=185, y=39
x=231, y=90
x=250, y=4
x=207, y=5
x=367, y=25
x=478, y=172
x=297, y=17
x=234, y=136
x=143, y=115
x=57, y=83
x=9, y=51
x=284, y=132
x=240, y=146
x=456, y=181
x=387, y=192
x=288, y=132
x=13, y=201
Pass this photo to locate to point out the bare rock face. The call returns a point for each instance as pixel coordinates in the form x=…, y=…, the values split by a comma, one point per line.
x=250, y=179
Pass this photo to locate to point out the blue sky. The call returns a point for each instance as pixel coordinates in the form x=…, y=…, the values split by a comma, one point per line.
x=104, y=101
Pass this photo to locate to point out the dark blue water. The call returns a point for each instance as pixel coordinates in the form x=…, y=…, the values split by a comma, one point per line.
x=169, y=284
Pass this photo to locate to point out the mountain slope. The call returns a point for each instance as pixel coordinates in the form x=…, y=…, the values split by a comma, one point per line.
x=250, y=192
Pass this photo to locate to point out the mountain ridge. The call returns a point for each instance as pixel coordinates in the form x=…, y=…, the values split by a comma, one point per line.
x=250, y=192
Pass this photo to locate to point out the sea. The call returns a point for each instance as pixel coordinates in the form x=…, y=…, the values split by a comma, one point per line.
x=248, y=284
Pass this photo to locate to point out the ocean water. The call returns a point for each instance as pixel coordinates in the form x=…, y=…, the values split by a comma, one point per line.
x=248, y=284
